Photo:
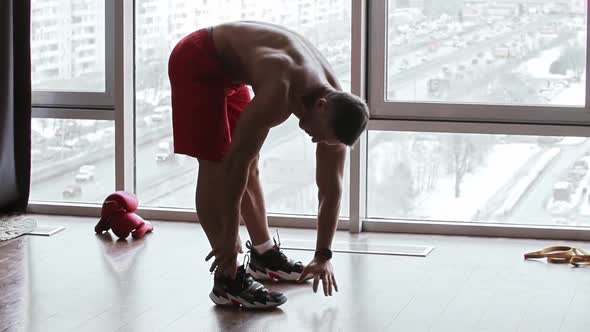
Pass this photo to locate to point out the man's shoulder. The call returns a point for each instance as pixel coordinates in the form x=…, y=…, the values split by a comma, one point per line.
x=276, y=69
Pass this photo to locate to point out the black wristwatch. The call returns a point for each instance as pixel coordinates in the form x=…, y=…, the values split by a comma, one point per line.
x=325, y=253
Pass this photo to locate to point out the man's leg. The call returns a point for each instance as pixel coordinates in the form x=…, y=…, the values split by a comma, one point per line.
x=226, y=291
x=253, y=209
x=271, y=263
x=207, y=205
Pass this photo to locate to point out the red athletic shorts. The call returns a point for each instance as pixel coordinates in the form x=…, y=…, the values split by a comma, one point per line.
x=205, y=103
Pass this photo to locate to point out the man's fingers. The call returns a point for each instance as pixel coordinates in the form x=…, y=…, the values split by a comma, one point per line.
x=325, y=284
x=316, y=282
x=303, y=274
x=214, y=265
x=334, y=282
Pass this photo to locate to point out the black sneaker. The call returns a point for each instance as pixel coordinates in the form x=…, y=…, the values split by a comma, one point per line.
x=244, y=291
x=273, y=264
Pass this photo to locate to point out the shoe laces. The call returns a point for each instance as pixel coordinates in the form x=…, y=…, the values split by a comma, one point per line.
x=277, y=242
x=250, y=246
x=246, y=258
x=278, y=245
x=244, y=276
x=245, y=279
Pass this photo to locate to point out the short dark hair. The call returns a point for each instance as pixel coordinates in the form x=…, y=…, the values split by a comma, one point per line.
x=350, y=116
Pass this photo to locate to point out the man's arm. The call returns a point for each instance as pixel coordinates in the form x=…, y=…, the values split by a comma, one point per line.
x=264, y=112
x=251, y=130
x=329, y=172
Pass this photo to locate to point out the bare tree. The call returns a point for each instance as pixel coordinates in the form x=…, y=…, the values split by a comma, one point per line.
x=465, y=154
x=392, y=175
x=573, y=58
x=424, y=152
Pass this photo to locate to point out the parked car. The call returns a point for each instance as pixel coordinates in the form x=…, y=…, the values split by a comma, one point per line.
x=85, y=173
x=71, y=191
x=581, y=164
x=438, y=87
x=166, y=109
x=165, y=151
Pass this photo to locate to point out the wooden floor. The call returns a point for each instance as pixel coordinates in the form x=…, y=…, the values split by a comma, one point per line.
x=77, y=281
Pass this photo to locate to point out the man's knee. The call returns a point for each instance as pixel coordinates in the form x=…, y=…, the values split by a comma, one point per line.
x=254, y=171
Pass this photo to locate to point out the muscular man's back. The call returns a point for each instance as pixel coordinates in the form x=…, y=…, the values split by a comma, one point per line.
x=247, y=47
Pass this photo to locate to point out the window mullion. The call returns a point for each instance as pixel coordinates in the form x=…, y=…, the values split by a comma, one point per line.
x=358, y=87
x=124, y=85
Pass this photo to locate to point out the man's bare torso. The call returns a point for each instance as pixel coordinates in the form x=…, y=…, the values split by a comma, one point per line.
x=245, y=48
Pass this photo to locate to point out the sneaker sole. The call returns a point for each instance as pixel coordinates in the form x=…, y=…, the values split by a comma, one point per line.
x=274, y=275
x=237, y=302
x=221, y=301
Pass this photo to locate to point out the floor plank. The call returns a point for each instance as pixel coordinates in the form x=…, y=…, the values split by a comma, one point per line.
x=77, y=281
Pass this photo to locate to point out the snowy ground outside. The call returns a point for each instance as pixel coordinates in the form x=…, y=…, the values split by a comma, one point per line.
x=477, y=188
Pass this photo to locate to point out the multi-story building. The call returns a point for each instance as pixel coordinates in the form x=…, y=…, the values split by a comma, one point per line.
x=151, y=30
x=68, y=43
x=161, y=23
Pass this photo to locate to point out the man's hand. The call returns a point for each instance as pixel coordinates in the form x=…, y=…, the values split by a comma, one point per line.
x=320, y=268
x=226, y=258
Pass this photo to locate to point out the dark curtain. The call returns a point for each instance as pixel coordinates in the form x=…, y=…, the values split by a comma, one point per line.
x=15, y=105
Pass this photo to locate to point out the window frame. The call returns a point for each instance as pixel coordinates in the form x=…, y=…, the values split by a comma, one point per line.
x=87, y=100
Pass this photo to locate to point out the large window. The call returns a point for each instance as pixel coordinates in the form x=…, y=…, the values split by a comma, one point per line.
x=72, y=160
x=493, y=52
x=508, y=61
x=73, y=137
x=287, y=160
x=479, y=178
x=477, y=62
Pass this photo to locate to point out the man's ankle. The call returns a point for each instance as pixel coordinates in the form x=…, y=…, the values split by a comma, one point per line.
x=220, y=274
x=225, y=273
x=262, y=248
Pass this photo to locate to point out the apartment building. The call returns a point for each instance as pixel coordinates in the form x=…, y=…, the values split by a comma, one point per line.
x=67, y=43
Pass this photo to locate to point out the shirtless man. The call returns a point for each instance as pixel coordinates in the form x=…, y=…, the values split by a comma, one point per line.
x=209, y=70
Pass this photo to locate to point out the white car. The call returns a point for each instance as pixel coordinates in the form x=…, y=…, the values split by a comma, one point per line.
x=165, y=151
x=153, y=120
x=163, y=109
x=85, y=173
